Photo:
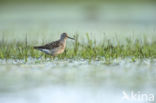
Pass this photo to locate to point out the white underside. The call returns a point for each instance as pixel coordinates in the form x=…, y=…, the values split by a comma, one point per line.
x=45, y=51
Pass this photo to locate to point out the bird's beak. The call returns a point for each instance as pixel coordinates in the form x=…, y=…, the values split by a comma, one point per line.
x=70, y=38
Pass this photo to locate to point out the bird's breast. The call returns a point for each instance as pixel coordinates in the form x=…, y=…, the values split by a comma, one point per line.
x=58, y=50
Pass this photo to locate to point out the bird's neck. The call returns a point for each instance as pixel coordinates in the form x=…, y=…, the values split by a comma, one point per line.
x=63, y=41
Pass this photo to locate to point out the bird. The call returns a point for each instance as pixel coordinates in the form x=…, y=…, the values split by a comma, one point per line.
x=55, y=48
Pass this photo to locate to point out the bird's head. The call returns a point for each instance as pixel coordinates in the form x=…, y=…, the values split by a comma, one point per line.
x=65, y=36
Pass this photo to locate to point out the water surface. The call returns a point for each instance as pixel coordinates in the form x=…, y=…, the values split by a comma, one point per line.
x=75, y=81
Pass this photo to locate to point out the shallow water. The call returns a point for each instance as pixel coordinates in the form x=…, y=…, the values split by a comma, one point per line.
x=75, y=81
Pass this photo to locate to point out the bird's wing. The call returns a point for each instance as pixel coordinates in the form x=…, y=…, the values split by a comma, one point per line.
x=51, y=45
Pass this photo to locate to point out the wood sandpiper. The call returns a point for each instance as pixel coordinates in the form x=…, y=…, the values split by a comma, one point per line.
x=56, y=47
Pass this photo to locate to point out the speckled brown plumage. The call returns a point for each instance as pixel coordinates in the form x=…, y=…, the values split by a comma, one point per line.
x=56, y=47
x=51, y=45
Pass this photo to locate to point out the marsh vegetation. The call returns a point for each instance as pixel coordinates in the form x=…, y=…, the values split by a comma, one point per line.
x=90, y=50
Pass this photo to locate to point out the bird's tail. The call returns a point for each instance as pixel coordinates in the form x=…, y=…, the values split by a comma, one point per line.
x=41, y=48
x=37, y=47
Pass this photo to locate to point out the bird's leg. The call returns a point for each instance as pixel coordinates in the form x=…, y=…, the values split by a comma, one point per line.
x=40, y=56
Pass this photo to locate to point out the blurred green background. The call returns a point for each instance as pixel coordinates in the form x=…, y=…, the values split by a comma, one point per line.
x=46, y=19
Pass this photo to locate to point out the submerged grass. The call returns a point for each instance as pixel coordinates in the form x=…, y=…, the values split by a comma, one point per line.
x=89, y=50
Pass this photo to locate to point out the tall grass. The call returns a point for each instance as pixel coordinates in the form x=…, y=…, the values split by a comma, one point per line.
x=89, y=50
